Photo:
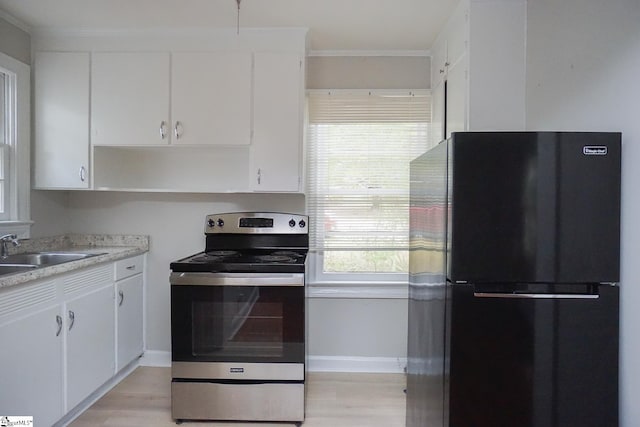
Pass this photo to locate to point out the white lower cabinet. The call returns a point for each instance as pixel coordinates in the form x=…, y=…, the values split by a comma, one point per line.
x=31, y=365
x=64, y=337
x=129, y=313
x=90, y=343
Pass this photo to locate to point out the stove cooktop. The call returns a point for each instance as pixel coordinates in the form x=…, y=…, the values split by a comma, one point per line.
x=256, y=261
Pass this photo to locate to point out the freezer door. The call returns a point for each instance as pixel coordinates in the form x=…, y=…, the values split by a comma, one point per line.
x=534, y=360
x=535, y=207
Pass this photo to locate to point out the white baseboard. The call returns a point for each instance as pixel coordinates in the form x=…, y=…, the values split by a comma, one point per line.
x=156, y=358
x=314, y=363
x=385, y=365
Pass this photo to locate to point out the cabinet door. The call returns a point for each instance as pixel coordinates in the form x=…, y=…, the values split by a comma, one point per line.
x=438, y=61
x=277, y=115
x=130, y=98
x=211, y=98
x=457, y=34
x=129, y=319
x=61, y=120
x=31, y=366
x=90, y=326
x=437, y=113
x=457, y=98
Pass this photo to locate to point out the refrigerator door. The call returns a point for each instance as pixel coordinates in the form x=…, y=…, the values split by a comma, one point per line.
x=532, y=360
x=426, y=334
x=535, y=207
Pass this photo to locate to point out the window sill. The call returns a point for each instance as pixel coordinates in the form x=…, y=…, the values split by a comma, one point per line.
x=389, y=290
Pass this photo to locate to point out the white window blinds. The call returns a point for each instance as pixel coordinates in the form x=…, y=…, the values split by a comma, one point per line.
x=359, y=147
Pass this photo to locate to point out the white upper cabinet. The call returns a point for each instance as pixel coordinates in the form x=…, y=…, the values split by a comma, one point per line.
x=457, y=86
x=211, y=98
x=170, y=112
x=130, y=98
x=61, y=120
x=438, y=61
x=210, y=102
x=449, y=76
x=277, y=115
x=480, y=53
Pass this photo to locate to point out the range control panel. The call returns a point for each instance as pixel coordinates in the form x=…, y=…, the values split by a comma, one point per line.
x=257, y=222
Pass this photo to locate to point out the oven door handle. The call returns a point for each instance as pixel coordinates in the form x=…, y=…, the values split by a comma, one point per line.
x=237, y=279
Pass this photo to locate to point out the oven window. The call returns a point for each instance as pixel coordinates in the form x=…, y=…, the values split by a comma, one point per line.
x=237, y=327
x=237, y=323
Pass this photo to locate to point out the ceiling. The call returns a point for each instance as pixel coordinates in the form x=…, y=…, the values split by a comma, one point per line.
x=334, y=25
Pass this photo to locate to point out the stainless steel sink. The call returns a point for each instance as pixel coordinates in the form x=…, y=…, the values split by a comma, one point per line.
x=15, y=268
x=41, y=259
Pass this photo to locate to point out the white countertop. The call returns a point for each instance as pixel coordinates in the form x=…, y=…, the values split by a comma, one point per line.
x=111, y=248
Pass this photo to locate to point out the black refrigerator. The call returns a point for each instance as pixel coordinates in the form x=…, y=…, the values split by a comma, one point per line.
x=513, y=290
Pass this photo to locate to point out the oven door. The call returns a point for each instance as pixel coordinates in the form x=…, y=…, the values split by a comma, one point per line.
x=237, y=319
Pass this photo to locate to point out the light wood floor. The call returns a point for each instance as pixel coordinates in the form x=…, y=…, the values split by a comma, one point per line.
x=333, y=400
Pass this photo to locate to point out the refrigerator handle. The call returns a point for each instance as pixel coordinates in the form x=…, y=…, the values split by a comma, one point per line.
x=534, y=296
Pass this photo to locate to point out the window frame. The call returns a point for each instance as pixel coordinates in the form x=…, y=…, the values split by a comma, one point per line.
x=355, y=285
x=18, y=149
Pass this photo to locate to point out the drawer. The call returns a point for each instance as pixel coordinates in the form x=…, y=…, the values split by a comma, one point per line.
x=129, y=267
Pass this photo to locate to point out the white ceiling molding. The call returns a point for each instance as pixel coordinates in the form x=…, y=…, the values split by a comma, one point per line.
x=355, y=53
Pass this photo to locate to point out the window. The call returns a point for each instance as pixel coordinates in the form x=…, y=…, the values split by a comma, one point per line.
x=14, y=146
x=5, y=108
x=359, y=149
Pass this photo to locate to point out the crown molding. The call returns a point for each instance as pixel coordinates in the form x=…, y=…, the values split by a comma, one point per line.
x=329, y=53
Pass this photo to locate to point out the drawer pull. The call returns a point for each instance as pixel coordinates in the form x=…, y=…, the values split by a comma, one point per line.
x=131, y=267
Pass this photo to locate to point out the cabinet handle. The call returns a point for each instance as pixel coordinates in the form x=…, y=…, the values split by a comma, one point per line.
x=59, y=322
x=82, y=173
x=131, y=267
x=72, y=318
x=259, y=176
x=163, y=129
x=121, y=298
x=177, y=130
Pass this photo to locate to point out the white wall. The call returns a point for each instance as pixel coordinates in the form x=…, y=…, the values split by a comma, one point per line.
x=583, y=63
x=49, y=213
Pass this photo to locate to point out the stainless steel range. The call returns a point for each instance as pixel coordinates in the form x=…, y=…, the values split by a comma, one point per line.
x=238, y=321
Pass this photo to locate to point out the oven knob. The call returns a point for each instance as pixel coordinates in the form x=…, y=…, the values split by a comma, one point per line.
x=302, y=223
x=220, y=222
x=292, y=223
x=211, y=223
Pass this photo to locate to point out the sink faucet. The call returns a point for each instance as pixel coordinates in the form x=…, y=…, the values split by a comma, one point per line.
x=4, y=248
